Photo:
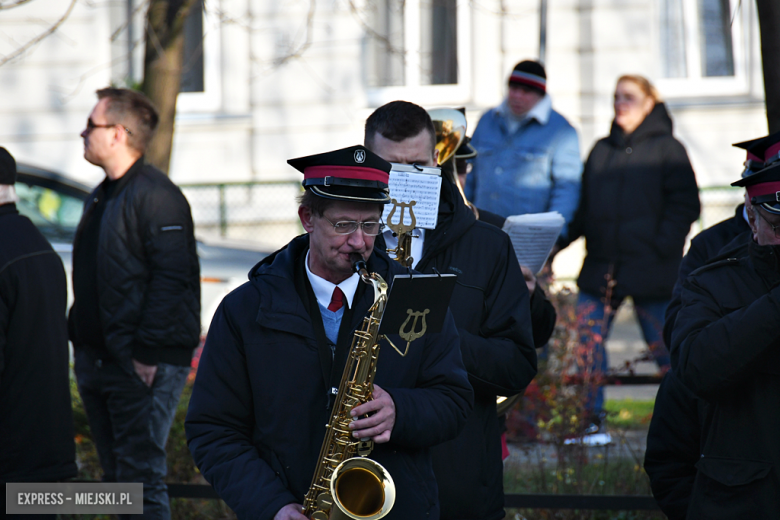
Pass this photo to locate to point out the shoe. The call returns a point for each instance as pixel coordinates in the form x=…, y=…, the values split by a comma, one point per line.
x=594, y=434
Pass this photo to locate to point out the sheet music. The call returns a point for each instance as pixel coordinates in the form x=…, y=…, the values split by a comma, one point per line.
x=533, y=236
x=423, y=188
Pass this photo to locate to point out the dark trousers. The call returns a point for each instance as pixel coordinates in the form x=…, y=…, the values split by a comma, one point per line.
x=592, y=315
x=130, y=422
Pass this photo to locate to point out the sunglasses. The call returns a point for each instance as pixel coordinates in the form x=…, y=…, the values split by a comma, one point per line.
x=91, y=126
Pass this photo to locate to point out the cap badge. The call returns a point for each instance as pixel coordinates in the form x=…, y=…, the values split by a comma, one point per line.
x=360, y=156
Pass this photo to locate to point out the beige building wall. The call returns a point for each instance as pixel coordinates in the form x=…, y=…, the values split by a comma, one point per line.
x=285, y=79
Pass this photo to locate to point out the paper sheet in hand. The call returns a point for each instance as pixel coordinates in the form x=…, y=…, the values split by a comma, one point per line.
x=533, y=237
x=421, y=184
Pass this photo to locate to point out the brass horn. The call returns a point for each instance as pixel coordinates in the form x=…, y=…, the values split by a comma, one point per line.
x=450, y=125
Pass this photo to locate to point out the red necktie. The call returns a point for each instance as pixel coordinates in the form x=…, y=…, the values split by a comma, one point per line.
x=336, y=301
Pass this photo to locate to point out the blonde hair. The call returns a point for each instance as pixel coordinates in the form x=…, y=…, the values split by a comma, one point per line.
x=644, y=84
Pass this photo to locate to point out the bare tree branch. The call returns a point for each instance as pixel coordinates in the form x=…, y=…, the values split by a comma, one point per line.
x=374, y=33
x=40, y=37
x=297, y=53
x=129, y=20
x=17, y=3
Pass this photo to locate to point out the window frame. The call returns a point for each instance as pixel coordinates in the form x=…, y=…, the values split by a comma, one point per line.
x=457, y=93
x=210, y=100
x=694, y=84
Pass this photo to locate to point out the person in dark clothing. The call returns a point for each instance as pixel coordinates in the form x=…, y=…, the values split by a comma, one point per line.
x=639, y=198
x=673, y=446
x=490, y=307
x=726, y=339
x=277, y=348
x=36, y=429
x=673, y=442
x=135, y=319
x=709, y=242
x=543, y=314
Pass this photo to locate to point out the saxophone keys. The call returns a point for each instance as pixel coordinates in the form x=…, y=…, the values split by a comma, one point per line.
x=324, y=501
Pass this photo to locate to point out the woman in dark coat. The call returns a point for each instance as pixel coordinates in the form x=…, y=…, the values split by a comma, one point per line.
x=639, y=198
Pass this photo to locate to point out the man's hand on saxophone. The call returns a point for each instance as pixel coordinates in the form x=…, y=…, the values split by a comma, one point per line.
x=378, y=426
x=290, y=512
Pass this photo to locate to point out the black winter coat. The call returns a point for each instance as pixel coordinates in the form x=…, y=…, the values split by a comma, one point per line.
x=543, y=314
x=148, y=275
x=256, y=418
x=491, y=309
x=639, y=198
x=36, y=420
x=728, y=339
x=704, y=247
x=674, y=446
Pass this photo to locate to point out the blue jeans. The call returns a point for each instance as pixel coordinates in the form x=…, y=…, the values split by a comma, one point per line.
x=130, y=422
x=590, y=317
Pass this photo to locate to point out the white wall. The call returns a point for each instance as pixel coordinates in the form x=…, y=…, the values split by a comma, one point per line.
x=263, y=106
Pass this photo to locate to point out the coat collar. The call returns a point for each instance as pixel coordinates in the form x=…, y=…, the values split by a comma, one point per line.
x=8, y=209
x=281, y=307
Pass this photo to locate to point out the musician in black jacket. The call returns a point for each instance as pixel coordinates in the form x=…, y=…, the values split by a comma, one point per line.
x=491, y=310
x=727, y=336
x=674, y=438
x=277, y=349
x=709, y=242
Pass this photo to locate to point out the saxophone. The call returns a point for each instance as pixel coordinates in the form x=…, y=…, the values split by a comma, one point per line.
x=347, y=484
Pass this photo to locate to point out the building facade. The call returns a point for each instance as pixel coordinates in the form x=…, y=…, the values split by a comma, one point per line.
x=267, y=80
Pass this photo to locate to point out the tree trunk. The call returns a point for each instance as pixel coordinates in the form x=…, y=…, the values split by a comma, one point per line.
x=162, y=71
x=769, y=21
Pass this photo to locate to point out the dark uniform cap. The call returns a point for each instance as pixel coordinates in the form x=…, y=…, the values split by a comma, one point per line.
x=761, y=153
x=763, y=187
x=466, y=150
x=351, y=174
x=7, y=167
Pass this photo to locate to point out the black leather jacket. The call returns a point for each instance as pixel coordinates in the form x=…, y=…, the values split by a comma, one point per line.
x=148, y=285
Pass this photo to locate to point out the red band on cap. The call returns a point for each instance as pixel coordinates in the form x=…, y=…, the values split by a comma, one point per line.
x=772, y=150
x=346, y=172
x=765, y=188
x=751, y=157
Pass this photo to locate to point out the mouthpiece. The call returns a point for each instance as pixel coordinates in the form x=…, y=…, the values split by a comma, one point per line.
x=358, y=264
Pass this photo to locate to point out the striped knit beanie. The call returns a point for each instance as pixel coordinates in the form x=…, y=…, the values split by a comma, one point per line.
x=529, y=74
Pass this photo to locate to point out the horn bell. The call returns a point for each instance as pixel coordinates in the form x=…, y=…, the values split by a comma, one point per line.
x=450, y=125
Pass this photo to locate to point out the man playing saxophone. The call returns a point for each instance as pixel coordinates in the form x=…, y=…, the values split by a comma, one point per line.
x=276, y=350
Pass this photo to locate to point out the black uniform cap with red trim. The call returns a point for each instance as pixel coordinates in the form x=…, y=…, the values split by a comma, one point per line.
x=763, y=187
x=351, y=174
x=761, y=153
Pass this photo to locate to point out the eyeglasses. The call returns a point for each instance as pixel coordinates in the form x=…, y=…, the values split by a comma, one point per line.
x=347, y=227
x=774, y=228
x=91, y=126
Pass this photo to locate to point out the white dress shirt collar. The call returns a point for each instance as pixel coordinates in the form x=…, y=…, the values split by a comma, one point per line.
x=323, y=289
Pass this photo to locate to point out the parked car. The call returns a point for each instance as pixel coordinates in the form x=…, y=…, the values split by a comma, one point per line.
x=54, y=203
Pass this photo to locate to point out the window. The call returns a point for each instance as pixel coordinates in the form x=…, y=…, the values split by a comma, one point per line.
x=200, y=89
x=192, y=73
x=700, y=44
x=420, y=45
